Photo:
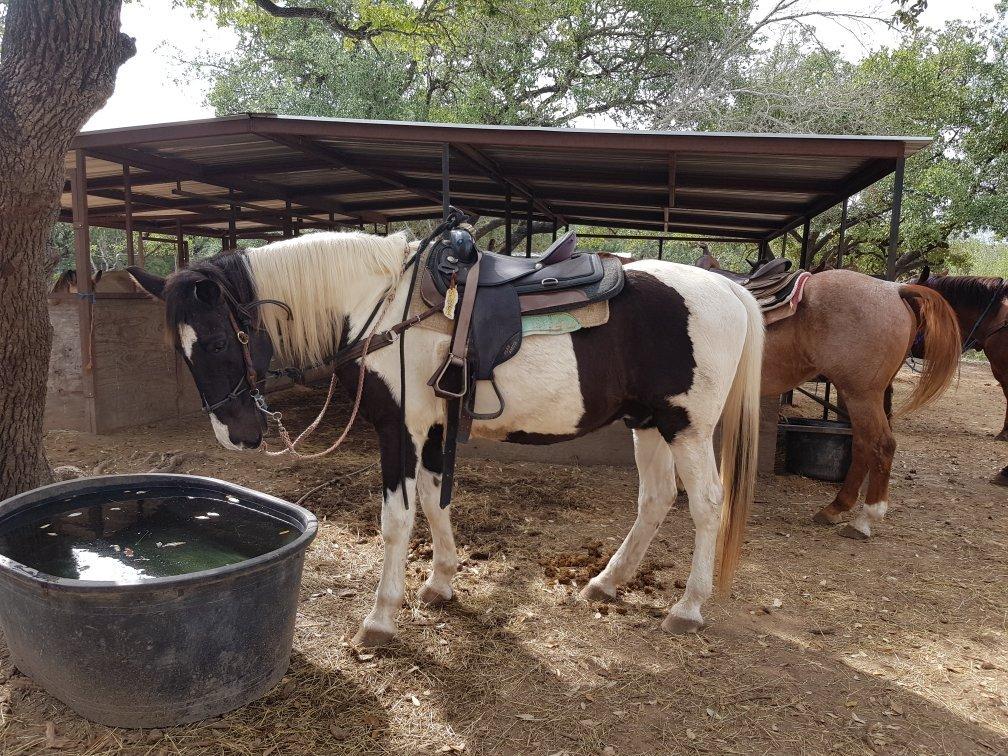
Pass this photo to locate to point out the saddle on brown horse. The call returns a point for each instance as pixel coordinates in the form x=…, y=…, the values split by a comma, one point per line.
x=485, y=295
x=777, y=288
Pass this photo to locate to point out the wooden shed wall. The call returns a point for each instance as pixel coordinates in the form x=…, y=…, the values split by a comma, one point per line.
x=138, y=379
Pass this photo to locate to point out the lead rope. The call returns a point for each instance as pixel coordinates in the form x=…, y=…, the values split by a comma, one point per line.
x=276, y=416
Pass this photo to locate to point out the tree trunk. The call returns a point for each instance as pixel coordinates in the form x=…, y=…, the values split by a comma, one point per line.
x=58, y=64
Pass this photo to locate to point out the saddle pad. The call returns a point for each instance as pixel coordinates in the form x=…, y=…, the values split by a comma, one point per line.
x=788, y=307
x=772, y=287
x=595, y=314
x=774, y=298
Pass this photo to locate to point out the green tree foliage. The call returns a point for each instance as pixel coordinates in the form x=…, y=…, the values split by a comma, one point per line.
x=108, y=250
x=951, y=84
x=977, y=257
x=731, y=65
x=502, y=62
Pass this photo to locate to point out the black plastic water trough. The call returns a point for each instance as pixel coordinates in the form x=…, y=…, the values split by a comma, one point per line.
x=147, y=650
x=819, y=449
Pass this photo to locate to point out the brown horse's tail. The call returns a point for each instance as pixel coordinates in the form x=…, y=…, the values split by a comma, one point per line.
x=942, y=342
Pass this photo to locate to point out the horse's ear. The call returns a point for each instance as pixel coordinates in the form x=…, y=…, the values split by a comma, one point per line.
x=207, y=292
x=148, y=281
x=925, y=274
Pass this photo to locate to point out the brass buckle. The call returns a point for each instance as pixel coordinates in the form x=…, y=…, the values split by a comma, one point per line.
x=243, y=338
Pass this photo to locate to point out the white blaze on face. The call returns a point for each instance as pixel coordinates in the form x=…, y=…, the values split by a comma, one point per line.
x=187, y=338
x=223, y=434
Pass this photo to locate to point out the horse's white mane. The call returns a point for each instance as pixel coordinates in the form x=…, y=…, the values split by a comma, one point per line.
x=316, y=276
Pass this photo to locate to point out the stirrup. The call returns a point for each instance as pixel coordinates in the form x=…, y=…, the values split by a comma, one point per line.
x=437, y=380
x=471, y=404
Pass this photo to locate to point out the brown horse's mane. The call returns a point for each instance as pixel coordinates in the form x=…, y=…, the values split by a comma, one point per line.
x=966, y=291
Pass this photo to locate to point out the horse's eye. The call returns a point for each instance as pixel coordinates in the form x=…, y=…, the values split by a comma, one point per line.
x=218, y=346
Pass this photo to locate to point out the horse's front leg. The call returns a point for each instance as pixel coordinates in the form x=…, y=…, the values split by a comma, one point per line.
x=437, y=589
x=997, y=354
x=379, y=627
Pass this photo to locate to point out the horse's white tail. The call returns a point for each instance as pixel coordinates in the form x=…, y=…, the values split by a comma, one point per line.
x=739, y=443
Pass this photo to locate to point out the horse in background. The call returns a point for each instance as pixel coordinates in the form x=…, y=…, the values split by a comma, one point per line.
x=109, y=281
x=856, y=331
x=981, y=306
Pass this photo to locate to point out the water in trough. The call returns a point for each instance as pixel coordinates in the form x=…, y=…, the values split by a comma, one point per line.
x=139, y=535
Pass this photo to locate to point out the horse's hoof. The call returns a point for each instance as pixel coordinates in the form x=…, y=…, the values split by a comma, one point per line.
x=853, y=533
x=593, y=592
x=373, y=637
x=1001, y=479
x=1002, y=436
x=825, y=517
x=680, y=625
x=431, y=596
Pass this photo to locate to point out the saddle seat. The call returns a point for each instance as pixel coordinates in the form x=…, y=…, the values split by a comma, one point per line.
x=769, y=272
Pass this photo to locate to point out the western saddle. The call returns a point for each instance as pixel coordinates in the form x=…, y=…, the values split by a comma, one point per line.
x=486, y=294
x=776, y=286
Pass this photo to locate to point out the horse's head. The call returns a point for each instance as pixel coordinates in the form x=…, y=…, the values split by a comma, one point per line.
x=228, y=355
x=707, y=261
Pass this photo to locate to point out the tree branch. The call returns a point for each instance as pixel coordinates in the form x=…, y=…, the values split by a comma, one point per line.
x=329, y=17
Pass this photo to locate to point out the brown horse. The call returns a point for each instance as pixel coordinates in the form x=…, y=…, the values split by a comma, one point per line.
x=981, y=306
x=110, y=281
x=856, y=331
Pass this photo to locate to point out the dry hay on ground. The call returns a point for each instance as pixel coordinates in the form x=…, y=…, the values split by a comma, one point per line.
x=897, y=645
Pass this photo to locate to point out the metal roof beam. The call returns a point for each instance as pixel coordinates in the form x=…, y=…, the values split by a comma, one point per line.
x=494, y=171
x=142, y=224
x=279, y=215
x=338, y=158
x=211, y=172
x=178, y=169
x=238, y=201
x=658, y=226
x=641, y=177
x=604, y=214
x=857, y=183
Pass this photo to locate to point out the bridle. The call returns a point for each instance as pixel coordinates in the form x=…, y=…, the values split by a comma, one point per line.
x=970, y=341
x=243, y=323
x=365, y=342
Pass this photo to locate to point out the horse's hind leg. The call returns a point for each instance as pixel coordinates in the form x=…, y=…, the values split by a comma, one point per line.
x=847, y=497
x=694, y=460
x=437, y=589
x=877, y=437
x=656, y=495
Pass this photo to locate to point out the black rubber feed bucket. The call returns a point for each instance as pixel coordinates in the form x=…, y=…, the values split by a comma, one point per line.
x=157, y=650
x=819, y=449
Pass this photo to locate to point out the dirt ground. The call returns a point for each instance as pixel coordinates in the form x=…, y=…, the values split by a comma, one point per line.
x=897, y=645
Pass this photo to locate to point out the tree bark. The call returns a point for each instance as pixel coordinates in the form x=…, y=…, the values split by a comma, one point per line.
x=58, y=64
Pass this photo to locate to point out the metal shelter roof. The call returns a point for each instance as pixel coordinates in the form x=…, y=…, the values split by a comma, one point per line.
x=265, y=173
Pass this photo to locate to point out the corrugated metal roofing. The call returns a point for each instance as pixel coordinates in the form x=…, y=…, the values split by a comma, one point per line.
x=746, y=186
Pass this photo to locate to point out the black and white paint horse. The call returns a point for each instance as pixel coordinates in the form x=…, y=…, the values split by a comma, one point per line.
x=681, y=349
